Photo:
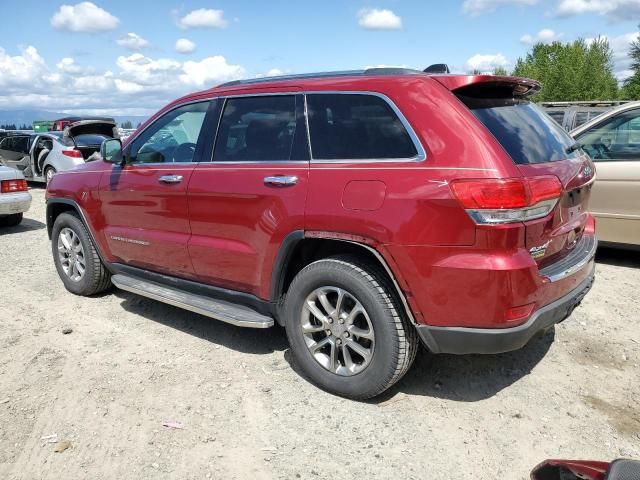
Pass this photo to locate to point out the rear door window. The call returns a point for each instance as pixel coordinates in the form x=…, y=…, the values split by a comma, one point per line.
x=356, y=127
x=526, y=133
x=256, y=129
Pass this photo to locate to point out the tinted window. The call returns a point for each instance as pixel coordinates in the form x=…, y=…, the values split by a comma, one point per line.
x=356, y=126
x=89, y=140
x=172, y=137
x=256, y=129
x=618, y=138
x=526, y=133
x=557, y=115
x=581, y=117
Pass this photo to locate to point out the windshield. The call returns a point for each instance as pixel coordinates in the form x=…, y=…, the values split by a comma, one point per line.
x=89, y=140
x=526, y=133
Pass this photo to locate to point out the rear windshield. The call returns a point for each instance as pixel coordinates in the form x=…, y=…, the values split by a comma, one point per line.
x=526, y=133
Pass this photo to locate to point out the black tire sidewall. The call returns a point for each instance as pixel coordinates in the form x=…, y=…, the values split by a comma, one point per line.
x=47, y=170
x=382, y=368
x=85, y=285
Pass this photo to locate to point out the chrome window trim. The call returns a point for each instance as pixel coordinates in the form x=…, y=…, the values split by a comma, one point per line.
x=420, y=157
x=251, y=162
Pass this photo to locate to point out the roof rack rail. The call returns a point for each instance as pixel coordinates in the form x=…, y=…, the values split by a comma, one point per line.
x=586, y=103
x=342, y=73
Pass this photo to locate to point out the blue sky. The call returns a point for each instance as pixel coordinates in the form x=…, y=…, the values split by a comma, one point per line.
x=121, y=56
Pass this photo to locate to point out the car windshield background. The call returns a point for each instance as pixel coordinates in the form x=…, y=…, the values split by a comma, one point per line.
x=90, y=139
x=356, y=127
x=258, y=128
x=526, y=133
x=172, y=137
x=618, y=138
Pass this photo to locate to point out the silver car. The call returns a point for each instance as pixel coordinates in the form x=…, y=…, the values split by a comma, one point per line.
x=39, y=156
x=15, y=198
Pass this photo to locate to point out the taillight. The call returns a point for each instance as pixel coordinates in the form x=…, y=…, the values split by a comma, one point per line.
x=506, y=200
x=72, y=153
x=10, y=186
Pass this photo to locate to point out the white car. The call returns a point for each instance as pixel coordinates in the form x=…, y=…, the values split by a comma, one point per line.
x=15, y=198
x=40, y=155
x=613, y=142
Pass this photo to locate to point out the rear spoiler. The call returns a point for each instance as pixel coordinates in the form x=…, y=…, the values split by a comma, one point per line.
x=489, y=85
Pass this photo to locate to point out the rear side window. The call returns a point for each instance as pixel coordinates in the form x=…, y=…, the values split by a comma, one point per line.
x=526, y=133
x=256, y=129
x=356, y=126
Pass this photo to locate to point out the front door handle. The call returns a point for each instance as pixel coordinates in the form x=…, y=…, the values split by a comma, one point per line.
x=280, y=181
x=170, y=179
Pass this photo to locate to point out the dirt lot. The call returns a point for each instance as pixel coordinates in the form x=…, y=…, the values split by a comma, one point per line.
x=131, y=364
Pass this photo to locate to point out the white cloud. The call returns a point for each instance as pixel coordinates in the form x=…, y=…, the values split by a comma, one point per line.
x=21, y=70
x=486, y=63
x=69, y=65
x=210, y=71
x=275, y=72
x=613, y=9
x=84, y=17
x=132, y=41
x=203, y=18
x=379, y=19
x=546, y=35
x=477, y=7
x=184, y=45
x=138, y=82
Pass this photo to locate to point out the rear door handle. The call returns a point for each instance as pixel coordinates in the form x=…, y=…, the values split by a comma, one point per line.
x=170, y=179
x=281, y=180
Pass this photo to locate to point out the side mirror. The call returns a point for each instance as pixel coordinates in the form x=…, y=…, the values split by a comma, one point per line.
x=111, y=151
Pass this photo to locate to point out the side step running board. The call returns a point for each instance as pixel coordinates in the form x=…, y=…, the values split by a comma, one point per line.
x=219, y=309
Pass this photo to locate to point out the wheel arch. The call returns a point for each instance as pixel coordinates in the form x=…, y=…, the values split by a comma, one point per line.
x=299, y=249
x=58, y=206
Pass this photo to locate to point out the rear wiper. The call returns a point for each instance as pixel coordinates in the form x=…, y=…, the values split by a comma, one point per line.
x=574, y=147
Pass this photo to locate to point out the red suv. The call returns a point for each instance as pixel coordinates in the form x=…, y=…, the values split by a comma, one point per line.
x=363, y=211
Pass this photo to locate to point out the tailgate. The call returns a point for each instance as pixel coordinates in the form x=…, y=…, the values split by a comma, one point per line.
x=551, y=238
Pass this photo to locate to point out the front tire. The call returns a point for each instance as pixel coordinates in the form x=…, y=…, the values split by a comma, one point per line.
x=347, y=331
x=76, y=258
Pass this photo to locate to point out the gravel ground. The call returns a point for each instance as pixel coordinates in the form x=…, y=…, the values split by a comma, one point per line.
x=131, y=364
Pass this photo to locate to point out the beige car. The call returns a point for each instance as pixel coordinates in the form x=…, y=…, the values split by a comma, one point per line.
x=613, y=141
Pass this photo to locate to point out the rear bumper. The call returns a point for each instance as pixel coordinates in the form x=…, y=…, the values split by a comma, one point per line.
x=12, y=203
x=460, y=340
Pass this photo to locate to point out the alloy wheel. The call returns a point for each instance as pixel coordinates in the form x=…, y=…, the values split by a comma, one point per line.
x=71, y=254
x=337, y=331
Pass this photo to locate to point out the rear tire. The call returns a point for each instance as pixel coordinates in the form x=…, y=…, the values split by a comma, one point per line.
x=11, y=220
x=76, y=258
x=49, y=172
x=386, y=341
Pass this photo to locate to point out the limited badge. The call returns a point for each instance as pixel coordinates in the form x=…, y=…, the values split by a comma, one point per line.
x=538, y=252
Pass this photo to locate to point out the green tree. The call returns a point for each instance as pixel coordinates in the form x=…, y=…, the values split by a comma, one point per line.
x=571, y=71
x=500, y=71
x=126, y=125
x=631, y=89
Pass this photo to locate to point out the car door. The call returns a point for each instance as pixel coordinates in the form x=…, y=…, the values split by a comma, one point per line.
x=251, y=195
x=614, y=145
x=144, y=201
x=14, y=151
